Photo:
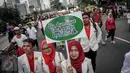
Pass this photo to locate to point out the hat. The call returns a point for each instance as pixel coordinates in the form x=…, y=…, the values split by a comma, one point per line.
x=16, y=28
x=20, y=25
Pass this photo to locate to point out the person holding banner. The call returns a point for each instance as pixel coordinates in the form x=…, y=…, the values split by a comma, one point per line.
x=27, y=63
x=51, y=58
x=79, y=63
x=90, y=43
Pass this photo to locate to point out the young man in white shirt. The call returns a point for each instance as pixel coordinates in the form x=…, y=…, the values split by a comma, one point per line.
x=32, y=33
x=27, y=63
x=90, y=43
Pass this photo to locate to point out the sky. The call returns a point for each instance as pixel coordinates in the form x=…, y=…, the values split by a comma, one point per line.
x=1, y=2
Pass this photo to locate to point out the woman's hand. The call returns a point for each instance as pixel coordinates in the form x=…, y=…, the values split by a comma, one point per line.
x=59, y=69
x=70, y=69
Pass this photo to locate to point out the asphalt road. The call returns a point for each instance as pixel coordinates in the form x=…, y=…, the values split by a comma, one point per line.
x=110, y=57
x=3, y=41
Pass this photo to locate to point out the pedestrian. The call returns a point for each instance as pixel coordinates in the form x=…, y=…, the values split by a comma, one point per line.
x=114, y=13
x=18, y=39
x=40, y=25
x=90, y=43
x=22, y=29
x=121, y=12
x=98, y=20
x=32, y=33
x=98, y=17
x=79, y=63
x=11, y=32
x=27, y=63
x=51, y=58
x=110, y=27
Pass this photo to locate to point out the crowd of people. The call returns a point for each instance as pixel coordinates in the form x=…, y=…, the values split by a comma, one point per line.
x=82, y=51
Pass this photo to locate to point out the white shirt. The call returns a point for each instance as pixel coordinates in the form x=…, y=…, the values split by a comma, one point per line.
x=86, y=66
x=32, y=33
x=44, y=68
x=40, y=25
x=95, y=37
x=126, y=64
x=23, y=64
x=19, y=41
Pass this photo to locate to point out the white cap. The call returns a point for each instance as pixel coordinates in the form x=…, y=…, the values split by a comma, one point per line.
x=16, y=28
x=20, y=25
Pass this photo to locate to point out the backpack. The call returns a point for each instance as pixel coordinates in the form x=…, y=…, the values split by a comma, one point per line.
x=95, y=27
x=94, y=24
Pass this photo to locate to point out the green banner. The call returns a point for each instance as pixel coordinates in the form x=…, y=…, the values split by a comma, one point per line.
x=64, y=28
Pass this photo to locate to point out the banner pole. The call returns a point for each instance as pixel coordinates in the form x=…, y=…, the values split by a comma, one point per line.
x=68, y=56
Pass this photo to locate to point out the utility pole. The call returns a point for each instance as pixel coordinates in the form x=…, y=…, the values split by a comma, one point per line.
x=5, y=4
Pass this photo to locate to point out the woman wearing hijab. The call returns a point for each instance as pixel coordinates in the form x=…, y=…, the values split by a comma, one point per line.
x=110, y=27
x=50, y=62
x=79, y=63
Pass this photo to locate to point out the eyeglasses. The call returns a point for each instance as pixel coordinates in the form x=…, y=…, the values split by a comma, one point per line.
x=45, y=48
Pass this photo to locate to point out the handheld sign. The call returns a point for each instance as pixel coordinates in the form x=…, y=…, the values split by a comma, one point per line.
x=64, y=28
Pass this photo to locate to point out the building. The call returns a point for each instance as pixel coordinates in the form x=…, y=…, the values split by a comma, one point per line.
x=39, y=5
x=64, y=2
x=47, y=4
x=33, y=4
x=21, y=5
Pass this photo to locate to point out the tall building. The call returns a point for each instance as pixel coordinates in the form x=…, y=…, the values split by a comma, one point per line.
x=38, y=4
x=21, y=5
x=11, y=3
x=32, y=5
x=64, y=2
x=47, y=3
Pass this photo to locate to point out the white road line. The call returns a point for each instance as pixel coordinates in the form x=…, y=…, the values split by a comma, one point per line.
x=122, y=39
x=5, y=47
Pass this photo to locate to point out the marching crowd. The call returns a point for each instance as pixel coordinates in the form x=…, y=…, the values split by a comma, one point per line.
x=82, y=51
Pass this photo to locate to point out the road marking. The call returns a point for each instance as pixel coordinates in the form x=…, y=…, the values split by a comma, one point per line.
x=5, y=47
x=122, y=39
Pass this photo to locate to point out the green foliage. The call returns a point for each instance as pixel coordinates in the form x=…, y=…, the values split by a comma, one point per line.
x=88, y=2
x=83, y=5
x=10, y=14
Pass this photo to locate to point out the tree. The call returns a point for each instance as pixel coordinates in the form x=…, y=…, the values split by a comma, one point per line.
x=10, y=14
x=88, y=2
